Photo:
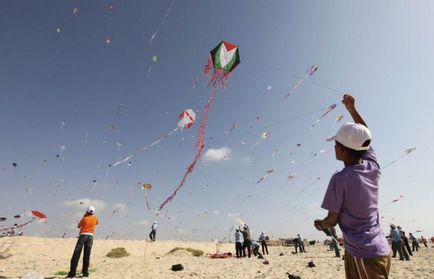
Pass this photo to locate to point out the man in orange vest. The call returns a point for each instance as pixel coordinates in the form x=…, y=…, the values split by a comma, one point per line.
x=87, y=228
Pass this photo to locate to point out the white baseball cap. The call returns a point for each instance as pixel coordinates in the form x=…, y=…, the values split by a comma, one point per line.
x=353, y=136
x=90, y=210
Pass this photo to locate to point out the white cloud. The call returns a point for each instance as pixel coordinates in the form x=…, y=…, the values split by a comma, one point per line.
x=215, y=155
x=84, y=203
x=141, y=223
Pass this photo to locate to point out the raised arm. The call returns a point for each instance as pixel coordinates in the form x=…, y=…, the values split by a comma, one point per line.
x=349, y=103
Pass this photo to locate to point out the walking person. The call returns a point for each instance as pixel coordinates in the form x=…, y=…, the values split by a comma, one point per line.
x=239, y=239
x=85, y=240
x=414, y=242
x=153, y=232
x=263, y=241
x=352, y=200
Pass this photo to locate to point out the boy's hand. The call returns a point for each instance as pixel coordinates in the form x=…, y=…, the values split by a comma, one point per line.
x=349, y=102
x=317, y=224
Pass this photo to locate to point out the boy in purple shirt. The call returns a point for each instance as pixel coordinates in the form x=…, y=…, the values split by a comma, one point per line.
x=352, y=200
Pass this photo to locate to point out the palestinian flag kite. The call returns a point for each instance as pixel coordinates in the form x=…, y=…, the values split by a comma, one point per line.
x=223, y=59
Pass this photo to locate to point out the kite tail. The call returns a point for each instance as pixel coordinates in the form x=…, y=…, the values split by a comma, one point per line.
x=216, y=77
x=200, y=145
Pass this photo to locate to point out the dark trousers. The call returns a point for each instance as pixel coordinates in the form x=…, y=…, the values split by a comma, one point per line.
x=407, y=246
x=239, y=249
x=415, y=246
x=247, y=244
x=85, y=241
x=152, y=235
x=264, y=247
x=256, y=251
x=397, y=247
x=335, y=246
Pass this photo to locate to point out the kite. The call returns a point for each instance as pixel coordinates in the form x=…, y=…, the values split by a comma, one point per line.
x=162, y=21
x=119, y=145
x=274, y=152
x=36, y=215
x=62, y=125
x=2, y=219
x=58, y=30
x=234, y=126
x=108, y=41
x=154, y=60
x=14, y=165
x=269, y=87
x=222, y=60
x=329, y=109
x=267, y=173
x=406, y=152
x=146, y=187
x=185, y=120
x=393, y=201
x=264, y=136
x=339, y=118
x=75, y=12
x=309, y=73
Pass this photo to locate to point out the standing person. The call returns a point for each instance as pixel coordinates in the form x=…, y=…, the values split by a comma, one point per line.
x=153, y=232
x=87, y=228
x=414, y=242
x=397, y=243
x=247, y=241
x=263, y=241
x=239, y=239
x=301, y=244
x=352, y=200
x=296, y=245
x=405, y=244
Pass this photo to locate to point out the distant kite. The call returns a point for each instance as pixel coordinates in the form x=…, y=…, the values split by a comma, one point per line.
x=309, y=73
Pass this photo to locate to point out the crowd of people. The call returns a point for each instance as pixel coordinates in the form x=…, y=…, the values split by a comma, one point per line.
x=14, y=231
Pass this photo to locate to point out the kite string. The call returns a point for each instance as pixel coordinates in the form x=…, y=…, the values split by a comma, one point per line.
x=200, y=145
x=146, y=147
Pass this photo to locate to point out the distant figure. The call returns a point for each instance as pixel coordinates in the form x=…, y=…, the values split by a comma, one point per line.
x=395, y=235
x=247, y=241
x=153, y=232
x=424, y=241
x=263, y=240
x=405, y=241
x=351, y=200
x=255, y=248
x=14, y=229
x=414, y=242
x=239, y=239
x=87, y=228
x=300, y=244
x=335, y=244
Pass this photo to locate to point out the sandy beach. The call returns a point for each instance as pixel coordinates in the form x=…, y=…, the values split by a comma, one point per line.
x=48, y=256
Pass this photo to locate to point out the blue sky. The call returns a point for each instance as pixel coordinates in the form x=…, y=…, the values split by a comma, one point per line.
x=380, y=52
